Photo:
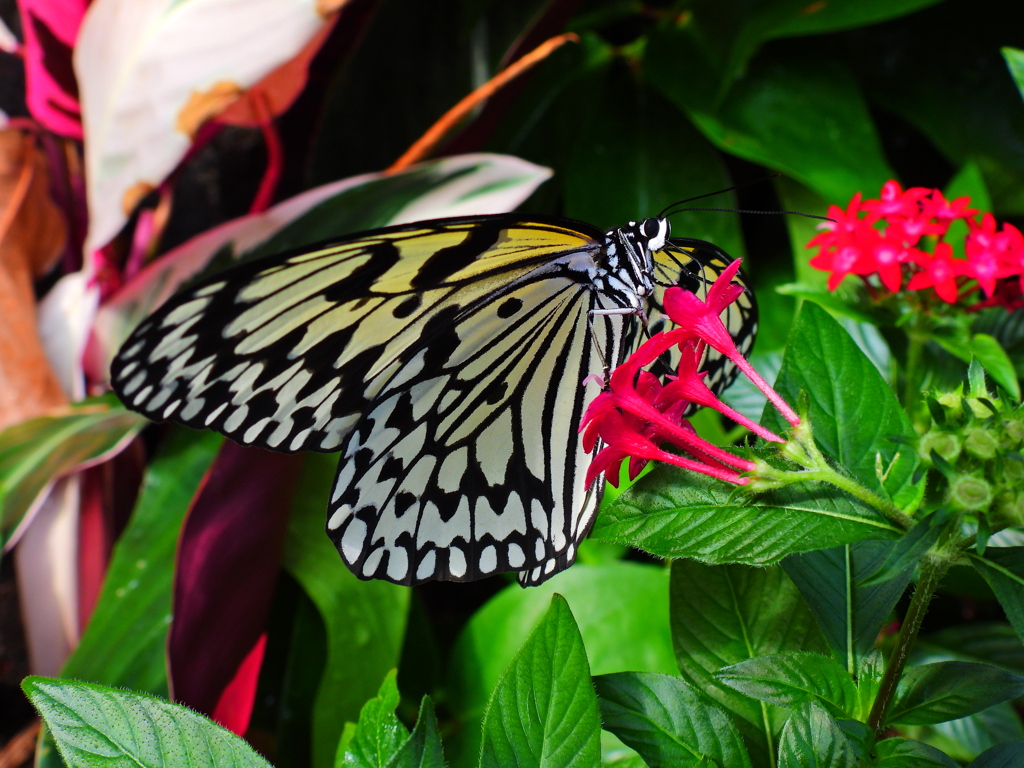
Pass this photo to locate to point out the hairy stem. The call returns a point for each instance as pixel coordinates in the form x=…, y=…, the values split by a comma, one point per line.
x=933, y=567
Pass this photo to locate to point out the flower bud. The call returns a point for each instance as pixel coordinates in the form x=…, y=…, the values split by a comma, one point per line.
x=953, y=402
x=980, y=442
x=981, y=409
x=945, y=444
x=1008, y=509
x=1013, y=471
x=970, y=493
x=1013, y=433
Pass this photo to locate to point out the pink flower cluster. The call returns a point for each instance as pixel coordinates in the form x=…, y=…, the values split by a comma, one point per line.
x=888, y=238
x=637, y=412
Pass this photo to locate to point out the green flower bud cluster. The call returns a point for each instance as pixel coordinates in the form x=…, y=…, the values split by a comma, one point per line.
x=976, y=441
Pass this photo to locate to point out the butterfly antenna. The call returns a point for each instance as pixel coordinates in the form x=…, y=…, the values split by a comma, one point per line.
x=744, y=210
x=667, y=211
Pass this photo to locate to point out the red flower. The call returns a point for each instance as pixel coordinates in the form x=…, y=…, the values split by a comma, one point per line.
x=702, y=319
x=937, y=207
x=894, y=202
x=939, y=271
x=884, y=242
x=637, y=412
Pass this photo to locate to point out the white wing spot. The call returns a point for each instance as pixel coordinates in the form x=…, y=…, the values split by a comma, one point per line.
x=456, y=562
x=135, y=383
x=426, y=568
x=236, y=419
x=193, y=408
x=341, y=514
x=488, y=559
x=398, y=563
x=214, y=413
x=254, y=431
x=515, y=555
x=449, y=478
x=370, y=566
x=353, y=540
x=137, y=400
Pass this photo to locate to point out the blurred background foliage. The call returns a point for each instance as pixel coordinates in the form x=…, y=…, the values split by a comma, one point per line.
x=657, y=102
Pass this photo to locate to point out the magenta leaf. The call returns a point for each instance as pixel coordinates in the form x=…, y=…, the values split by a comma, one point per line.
x=228, y=561
x=51, y=89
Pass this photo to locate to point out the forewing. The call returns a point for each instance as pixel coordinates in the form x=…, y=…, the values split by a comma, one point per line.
x=471, y=461
x=287, y=352
x=694, y=265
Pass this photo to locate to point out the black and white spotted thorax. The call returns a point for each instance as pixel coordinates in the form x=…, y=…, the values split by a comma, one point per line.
x=628, y=268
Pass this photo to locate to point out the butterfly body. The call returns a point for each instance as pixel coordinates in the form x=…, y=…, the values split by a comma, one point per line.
x=444, y=360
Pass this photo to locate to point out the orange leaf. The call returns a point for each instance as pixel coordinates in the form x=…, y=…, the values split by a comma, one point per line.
x=279, y=88
x=32, y=235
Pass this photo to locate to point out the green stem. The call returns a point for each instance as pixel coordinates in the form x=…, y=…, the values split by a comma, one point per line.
x=804, y=451
x=872, y=499
x=933, y=567
x=912, y=374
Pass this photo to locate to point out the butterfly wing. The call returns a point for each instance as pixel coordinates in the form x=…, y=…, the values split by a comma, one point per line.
x=444, y=359
x=694, y=265
x=287, y=352
x=471, y=463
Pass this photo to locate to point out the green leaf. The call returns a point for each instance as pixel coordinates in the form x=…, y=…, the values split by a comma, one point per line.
x=423, y=748
x=1003, y=569
x=35, y=452
x=668, y=722
x=1008, y=755
x=967, y=737
x=631, y=597
x=789, y=18
x=853, y=412
x=674, y=513
x=869, y=682
x=543, y=710
x=833, y=148
x=99, y=726
x=378, y=736
x=789, y=679
x=722, y=615
x=1015, y=61
x=945, y=690
x=630, y=162
x=996, y=363
x=812, y=739
x=968, y=106
x=990, y=643
x=364, y=620
x=906, y=552
x=899, y=752
x=849, y=613
x=125, y=640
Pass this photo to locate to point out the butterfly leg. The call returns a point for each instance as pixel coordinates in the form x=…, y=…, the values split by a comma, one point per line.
x=620, y=311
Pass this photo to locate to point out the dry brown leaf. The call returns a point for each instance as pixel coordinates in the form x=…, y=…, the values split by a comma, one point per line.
x=32, y=234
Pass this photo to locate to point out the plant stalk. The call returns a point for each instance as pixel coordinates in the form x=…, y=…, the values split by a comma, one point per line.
x=912, y=384
x=933, y=568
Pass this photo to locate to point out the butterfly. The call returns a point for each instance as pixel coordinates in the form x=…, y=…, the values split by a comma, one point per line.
x=445, y=361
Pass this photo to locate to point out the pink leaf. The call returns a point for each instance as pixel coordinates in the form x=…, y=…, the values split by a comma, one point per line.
x=51, y=90
x=234, y=709
x=228, y=560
